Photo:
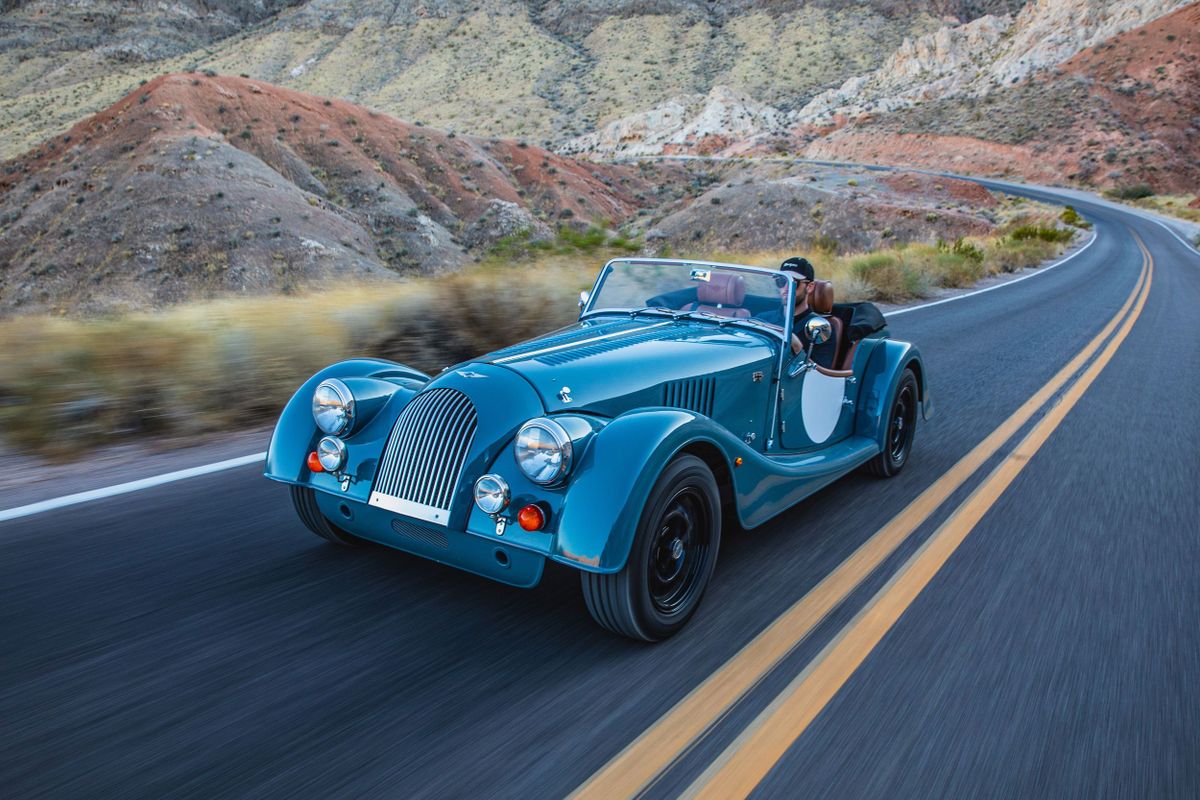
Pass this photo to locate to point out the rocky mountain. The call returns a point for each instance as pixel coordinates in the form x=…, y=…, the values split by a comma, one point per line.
x=984, y=55
x=721, y=122
x=544, y=69
x=1058, y=92
x=197, y=185
x=1123, y=112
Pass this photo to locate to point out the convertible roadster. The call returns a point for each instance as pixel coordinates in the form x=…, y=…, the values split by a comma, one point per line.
x=618, y=445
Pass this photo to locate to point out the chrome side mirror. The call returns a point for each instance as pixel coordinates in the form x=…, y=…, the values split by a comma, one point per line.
x=583, y=298
x=818, y=330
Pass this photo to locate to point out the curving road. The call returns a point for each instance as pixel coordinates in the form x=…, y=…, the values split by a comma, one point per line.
x=191, y=640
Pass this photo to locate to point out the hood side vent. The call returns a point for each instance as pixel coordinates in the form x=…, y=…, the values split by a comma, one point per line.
x=606, y=346
x=694, y=394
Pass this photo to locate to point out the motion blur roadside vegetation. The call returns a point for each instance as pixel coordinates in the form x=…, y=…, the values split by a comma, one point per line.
x=70, y=385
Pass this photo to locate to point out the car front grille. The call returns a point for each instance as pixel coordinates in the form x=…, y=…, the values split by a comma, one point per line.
x=423, y=460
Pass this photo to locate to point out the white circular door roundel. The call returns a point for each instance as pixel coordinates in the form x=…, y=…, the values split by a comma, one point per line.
x=821, y=404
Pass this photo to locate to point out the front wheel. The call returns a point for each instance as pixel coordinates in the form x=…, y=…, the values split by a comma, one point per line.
x=304, y=500
x=671, y=560
x=902, y=425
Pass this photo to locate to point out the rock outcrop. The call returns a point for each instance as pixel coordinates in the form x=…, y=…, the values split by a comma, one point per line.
x=981, y=56
x=699, y=124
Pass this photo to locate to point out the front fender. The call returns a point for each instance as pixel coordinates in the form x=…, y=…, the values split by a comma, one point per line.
x=612, y=482
x=880, y=379
x=381, y=388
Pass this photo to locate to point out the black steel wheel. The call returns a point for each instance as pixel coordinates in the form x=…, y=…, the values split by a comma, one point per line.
x=672, y=559
x=305, y=501
x=902, y=425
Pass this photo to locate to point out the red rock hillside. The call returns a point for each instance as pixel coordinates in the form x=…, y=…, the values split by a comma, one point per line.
x=196, y=185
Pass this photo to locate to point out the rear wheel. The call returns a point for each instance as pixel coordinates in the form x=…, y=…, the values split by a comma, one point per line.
x=902, y=425
x=305, y=501
x=672, y=558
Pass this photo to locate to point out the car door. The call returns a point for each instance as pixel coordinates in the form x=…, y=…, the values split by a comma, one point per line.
x=817, y=409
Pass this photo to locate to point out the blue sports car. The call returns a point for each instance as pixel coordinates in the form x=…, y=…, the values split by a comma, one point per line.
x=621, y=445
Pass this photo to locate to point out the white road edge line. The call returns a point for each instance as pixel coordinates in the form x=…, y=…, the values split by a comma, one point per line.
x=1193, y=249
x=1034, y=274
x=183, y=474
x=124, y=488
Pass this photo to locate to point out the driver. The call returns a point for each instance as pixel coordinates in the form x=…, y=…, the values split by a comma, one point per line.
x=804, y=275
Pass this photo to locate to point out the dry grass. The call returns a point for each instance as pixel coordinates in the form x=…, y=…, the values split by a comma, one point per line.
x=909, y=272
x=70, y=385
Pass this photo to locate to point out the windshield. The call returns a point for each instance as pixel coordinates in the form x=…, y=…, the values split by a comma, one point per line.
x=682, y=287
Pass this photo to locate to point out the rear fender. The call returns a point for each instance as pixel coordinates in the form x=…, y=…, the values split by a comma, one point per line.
x=882, y=375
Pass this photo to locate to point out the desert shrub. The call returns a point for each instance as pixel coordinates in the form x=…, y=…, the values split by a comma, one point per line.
x=1010, y=255
x=1133, y=192
x=587, y=240
x=1071, y=217
x=956, y=270
x=1045, y=234
x=825, y=243
x=889, y=279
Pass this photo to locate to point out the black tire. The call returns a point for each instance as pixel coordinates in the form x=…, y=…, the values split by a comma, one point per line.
x=671, y=561
x=902, y=426
x=305, y=501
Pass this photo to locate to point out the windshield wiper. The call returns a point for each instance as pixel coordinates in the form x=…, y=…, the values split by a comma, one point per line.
x=718, y=318
x=721, y=320
x=659, y=309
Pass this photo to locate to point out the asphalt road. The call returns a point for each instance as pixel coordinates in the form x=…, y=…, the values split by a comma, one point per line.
x=192, y=640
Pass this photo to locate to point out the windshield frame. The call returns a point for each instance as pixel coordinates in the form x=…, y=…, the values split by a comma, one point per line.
x=784, y=335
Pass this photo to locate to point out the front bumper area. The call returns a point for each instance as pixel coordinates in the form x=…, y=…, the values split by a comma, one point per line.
x=487, y=557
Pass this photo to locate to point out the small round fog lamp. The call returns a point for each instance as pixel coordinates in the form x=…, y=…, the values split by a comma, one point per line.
x=491, y=494
x=331, y=452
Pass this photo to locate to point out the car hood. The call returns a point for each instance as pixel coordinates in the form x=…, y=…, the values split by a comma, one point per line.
x=610, y=366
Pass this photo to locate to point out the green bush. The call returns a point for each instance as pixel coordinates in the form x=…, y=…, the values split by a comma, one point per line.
x=1045, y=234
x=961, y=247
x=958, y=271
x=1071, y=217
x=1134, y=192
x=889, y=279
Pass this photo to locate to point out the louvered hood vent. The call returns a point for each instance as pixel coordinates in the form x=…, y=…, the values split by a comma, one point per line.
x=694, y=394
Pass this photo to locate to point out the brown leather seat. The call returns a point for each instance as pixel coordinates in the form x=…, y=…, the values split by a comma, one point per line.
x=723, y=294
x=821, y=302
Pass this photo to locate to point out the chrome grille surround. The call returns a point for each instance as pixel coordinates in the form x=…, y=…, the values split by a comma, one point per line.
x=424, y=457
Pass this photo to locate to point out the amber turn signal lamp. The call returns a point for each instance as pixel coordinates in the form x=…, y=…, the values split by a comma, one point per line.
x=737, y=462
x=314, y=462
x=531, y=518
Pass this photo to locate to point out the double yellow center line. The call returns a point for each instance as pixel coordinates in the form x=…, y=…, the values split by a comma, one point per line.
x=740, y=768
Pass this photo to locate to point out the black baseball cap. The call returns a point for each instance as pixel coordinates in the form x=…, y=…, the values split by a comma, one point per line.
x=799, y=265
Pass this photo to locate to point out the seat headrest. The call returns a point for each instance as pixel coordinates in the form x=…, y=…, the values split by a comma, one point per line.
x=722, y=288
x=822, y=297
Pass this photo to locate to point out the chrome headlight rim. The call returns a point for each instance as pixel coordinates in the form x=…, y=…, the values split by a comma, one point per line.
x=331, y=452
x=345, y=398
x=562, y=441
x=498, y=490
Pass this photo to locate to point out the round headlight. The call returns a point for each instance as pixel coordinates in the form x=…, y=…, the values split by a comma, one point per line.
x=543, y=450
x=331, y=453
x=333, y=406
x=491, y=494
